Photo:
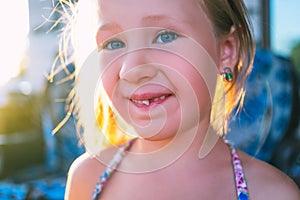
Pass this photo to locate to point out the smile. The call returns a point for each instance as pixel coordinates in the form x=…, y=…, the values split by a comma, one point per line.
x=150, y=101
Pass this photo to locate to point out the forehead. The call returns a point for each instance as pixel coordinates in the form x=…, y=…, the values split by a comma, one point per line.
x=136, y=13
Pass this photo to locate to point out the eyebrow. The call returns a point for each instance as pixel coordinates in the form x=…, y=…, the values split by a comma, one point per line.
x=158, y=18
x=148, y=20
x=109, y=27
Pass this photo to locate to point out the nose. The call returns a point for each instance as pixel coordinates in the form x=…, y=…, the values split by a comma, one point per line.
x=137, y=67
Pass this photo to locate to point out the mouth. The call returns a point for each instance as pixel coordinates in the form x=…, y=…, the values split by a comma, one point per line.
x=148, y=100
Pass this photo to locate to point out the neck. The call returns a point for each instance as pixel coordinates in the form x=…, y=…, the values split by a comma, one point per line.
x=148, y=155
x=202, y=137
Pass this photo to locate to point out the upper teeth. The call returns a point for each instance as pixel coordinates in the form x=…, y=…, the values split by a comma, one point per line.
x=147, y=101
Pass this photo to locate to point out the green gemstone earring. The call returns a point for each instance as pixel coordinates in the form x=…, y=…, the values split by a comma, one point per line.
x=227, y=74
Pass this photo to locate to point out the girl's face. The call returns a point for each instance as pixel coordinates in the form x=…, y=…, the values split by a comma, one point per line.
x=159, y=61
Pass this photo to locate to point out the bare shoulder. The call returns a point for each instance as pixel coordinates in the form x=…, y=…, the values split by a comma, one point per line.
x=267, y=182
x=84, y=174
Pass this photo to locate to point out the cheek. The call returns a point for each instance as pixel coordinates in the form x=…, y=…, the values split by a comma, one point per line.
x=109, y=77
x=110, y=83
x=203, y=96
x=196, y=63
x=194, y=87
x=195, y=95
x=185, y=75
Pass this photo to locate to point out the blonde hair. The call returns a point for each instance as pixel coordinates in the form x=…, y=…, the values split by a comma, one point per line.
x=224, y=15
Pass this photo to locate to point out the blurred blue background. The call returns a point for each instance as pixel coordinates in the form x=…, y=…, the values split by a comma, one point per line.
x=34, y=163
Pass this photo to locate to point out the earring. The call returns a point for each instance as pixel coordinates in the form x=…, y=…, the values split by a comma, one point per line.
x=227, y=74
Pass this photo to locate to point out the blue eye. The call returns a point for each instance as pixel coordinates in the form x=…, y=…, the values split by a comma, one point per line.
x=166, y=36
x=113, y=45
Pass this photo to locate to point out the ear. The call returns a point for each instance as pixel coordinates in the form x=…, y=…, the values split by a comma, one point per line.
x=229, y=45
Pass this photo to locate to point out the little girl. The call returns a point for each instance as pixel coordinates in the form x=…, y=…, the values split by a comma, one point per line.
x=163, y=80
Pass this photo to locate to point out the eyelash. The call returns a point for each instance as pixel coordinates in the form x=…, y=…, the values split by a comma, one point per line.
x=165, y=32
x=108, y=43
x=158, y=39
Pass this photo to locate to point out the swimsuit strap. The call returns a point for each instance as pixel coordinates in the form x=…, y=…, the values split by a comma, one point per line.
x=240, y=181
x=111, y=167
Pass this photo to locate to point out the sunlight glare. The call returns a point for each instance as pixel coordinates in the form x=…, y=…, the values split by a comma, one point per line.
x=15, y=28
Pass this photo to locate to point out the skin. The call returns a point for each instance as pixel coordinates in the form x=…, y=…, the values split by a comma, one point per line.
x=133, y=75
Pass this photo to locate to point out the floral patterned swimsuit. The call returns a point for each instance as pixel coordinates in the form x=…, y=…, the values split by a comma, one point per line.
x=240, y=181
